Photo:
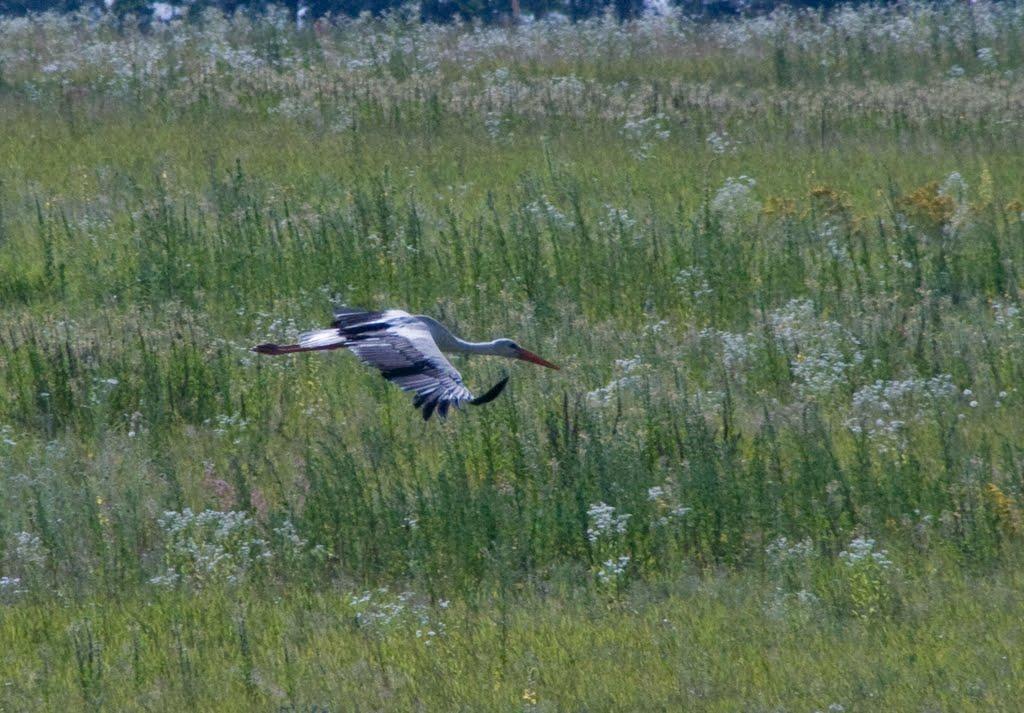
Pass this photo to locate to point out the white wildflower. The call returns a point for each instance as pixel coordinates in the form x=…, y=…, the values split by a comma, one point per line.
x=604, y=522
x=164, y=12
x=734, y=202
x=29, y=551
x=861, y=551
x=721, y=143
x=883, y=409
x=782, y=550
x=612, y=569
x=693, y=283
x=211, y=546
x=822, y=352
x=627, y=377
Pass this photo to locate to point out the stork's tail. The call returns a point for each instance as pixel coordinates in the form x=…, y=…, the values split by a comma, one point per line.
x=316, y=340
x=277, y=348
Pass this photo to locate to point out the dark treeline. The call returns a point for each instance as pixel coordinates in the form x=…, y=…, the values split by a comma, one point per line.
x=430, y=10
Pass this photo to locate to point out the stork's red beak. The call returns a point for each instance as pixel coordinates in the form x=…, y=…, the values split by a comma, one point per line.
x=531, y=357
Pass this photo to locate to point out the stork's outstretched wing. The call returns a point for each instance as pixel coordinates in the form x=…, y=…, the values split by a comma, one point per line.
x=402, y=348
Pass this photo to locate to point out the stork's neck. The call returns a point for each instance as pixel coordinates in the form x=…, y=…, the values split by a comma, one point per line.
x=448, y=342
x=461, y=346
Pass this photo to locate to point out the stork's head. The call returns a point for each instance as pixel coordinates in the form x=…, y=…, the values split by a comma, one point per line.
x=510, y=350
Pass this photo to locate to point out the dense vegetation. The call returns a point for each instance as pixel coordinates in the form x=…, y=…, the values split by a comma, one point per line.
x=778, y=259
x=491, y=11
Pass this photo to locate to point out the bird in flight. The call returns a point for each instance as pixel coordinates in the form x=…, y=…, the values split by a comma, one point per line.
x=408, y=350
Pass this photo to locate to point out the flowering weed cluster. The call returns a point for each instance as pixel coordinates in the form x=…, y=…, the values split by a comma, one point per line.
x=881, y=410
x=604, y=523
x=209, y=547
x=379, y=612
x=869, y=577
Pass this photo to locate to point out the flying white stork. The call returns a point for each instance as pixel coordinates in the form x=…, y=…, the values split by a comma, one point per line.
x=407, y=349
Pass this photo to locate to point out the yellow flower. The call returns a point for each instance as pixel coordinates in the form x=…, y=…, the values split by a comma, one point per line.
x=1005, y=509
x=829, y=200
x=782, y=207
x=925, y=203
x=530, y=696
x=986, y=189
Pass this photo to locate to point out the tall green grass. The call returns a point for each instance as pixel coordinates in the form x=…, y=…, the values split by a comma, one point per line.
x=778, y=263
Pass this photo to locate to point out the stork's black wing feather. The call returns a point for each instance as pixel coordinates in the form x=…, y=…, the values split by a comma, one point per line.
x=347, y=317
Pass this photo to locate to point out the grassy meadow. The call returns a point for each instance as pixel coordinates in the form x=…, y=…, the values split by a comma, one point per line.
x=779, y=260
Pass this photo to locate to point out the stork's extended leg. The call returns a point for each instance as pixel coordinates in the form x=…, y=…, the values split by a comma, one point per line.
x=491, y=394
